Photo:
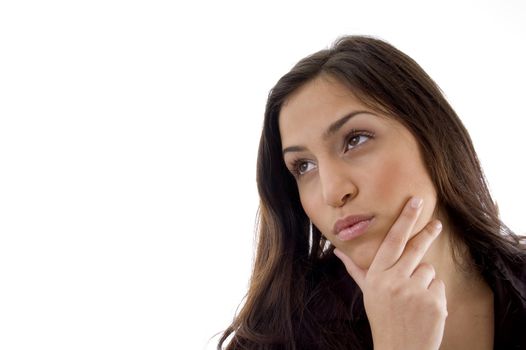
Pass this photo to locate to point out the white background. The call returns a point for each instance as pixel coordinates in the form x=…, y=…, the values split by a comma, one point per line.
x=128, y=141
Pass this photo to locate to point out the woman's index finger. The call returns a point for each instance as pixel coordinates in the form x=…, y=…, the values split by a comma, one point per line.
x=394, y=242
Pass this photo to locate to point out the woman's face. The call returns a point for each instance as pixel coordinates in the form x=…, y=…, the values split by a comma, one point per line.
x=350, y=160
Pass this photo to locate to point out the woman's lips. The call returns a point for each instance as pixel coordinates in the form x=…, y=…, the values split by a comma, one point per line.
x=352, y=227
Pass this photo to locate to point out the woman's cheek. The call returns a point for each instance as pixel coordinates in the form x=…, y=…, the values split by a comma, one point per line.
x=309, y=205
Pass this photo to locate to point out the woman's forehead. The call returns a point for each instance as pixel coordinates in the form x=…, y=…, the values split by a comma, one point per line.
x=321, y=103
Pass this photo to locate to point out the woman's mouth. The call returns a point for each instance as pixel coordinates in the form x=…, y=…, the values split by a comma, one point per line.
x=352, y=227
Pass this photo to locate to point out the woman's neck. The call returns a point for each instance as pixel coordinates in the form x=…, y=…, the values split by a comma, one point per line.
x=454, y=266
x=469, y=297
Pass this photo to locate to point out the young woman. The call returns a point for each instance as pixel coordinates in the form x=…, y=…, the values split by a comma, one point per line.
x=376, y=226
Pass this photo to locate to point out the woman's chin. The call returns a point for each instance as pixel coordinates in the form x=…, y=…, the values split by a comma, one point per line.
x=362, y=254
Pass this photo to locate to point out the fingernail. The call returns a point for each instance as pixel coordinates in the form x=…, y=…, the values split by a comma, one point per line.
x=416, y=202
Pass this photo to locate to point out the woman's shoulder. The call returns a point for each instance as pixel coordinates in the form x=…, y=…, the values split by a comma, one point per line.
x=509, y=289
x=511, y=268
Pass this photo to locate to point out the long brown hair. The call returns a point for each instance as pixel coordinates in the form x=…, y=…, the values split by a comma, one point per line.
x=293, y=270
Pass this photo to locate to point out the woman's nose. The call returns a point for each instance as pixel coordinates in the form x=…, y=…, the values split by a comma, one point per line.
x=337, y=185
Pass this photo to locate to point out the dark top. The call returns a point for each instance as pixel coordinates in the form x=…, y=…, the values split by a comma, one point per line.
x=507, y=280
x=509, y=291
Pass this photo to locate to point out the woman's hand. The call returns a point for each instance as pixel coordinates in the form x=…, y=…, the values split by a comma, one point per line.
x=405, y=304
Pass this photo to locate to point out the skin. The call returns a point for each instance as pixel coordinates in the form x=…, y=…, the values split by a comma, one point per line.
x=402, y=264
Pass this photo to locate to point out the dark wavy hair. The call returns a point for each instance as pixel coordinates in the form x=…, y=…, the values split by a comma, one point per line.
x=293, y=301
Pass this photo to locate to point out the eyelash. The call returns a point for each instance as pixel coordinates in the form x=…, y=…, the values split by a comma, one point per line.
x=351, y=135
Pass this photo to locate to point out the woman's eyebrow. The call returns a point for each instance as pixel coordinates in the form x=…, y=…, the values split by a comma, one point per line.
x=331, y=130
x=334, y=127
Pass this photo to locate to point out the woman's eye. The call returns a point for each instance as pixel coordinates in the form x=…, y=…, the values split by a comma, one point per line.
x=357, y=140
x=304, y=167
x=301, y=167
